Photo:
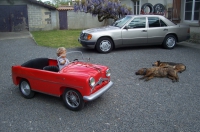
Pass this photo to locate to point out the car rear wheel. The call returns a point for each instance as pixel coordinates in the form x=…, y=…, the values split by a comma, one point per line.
x=73, y=99
x=104, y=45
x=25, y=89
x=169, y=42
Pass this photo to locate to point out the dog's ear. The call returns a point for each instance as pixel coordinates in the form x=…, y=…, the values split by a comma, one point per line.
x=158, y=62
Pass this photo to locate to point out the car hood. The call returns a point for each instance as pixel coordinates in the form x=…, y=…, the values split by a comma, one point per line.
x=100, y=29
x=83, y=69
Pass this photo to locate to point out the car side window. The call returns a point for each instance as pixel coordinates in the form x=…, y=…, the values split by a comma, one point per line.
x=162, y=24
x=155, y=22
x=138, y=23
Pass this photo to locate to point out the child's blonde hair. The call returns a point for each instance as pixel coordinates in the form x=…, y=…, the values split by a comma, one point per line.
x=61, y=50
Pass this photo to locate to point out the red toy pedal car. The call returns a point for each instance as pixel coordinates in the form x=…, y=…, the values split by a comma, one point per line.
x=78, y=82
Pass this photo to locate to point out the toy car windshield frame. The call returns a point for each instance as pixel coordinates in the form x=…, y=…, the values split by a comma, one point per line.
x=76, y=56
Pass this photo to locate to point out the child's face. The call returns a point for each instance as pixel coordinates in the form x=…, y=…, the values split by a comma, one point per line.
x=63, y=54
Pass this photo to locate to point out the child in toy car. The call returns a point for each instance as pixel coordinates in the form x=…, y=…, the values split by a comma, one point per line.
x=62, y=59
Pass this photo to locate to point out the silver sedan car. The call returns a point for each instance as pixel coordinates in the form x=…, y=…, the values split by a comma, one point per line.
x=135, y=30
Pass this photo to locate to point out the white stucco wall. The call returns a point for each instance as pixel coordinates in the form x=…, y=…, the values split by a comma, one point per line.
x=81, y=20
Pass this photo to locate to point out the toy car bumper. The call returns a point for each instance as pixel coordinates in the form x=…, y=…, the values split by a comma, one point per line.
x=87, y=44
x=98, y=93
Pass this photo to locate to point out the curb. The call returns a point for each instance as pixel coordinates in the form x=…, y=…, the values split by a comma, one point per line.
x=14, y=35
x=189, y=44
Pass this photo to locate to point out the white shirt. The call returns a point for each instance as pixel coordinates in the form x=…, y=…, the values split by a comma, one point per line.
x=60, y=60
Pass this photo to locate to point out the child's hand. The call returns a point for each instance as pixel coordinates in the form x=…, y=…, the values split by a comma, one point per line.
x=63, y=62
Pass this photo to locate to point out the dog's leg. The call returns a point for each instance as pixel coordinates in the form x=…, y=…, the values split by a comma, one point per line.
x=176, y=77
x=145, y=76
x=150, y=77
x=142, y=78
x=172, y=78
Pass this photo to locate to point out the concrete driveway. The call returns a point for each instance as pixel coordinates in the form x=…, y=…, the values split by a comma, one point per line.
x=131, y=105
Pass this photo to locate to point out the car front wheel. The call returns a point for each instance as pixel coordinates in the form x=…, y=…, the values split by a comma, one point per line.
x=25, y=89
x=73, y=99
x=104, y=45
x=169, y=42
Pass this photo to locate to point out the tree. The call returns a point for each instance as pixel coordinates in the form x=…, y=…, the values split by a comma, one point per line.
x=103, y=9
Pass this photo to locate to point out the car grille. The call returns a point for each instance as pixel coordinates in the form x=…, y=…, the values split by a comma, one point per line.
x=82, y=35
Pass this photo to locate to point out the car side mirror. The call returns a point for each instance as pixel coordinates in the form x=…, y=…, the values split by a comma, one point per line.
x=126, y=27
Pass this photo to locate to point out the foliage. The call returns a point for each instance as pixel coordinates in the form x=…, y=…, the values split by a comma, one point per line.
x=103, y=9
x=60, y=2
x=56, y=3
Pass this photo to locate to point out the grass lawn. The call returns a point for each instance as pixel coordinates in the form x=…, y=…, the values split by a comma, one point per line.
x=57, y=38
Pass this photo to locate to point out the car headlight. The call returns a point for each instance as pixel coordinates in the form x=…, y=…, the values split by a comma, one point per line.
x=92, y=82
x=108, y=72
x=87, y=36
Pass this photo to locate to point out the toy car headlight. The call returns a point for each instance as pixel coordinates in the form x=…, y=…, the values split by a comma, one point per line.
x=87, y=36
x=108, y=72
x=92, y=82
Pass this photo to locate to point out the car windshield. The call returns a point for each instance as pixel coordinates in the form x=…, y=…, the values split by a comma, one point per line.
x=121, y=21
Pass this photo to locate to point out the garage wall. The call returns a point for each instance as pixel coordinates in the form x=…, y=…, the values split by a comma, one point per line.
x=37, y=17
x=13, y=18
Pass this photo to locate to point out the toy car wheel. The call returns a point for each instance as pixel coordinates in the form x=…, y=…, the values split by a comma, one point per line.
x=169, y=42
x=25, y=89
x=73, y=99
x=104, y=45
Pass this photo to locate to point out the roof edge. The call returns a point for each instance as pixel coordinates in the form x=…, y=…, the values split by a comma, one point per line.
x=42, y=4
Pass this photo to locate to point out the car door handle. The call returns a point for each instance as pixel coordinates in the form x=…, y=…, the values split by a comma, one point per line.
x=165, y=30
x=144, y=30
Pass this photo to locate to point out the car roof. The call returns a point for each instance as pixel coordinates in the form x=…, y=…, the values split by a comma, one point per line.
x=169, y=23
x=145, y=15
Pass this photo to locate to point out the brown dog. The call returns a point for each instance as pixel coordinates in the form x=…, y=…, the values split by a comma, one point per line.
x=177, y=66
x=150, y=73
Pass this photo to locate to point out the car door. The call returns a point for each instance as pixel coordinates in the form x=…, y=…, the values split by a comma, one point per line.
x=135, y=32
x=157, y=30
x=45, y=81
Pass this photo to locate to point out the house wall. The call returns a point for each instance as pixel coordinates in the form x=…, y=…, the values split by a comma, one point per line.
x=41, y=18
x=168, y=4
x=81, y=20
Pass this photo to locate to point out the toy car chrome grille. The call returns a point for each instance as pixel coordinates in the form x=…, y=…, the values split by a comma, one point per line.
x=101, y=80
